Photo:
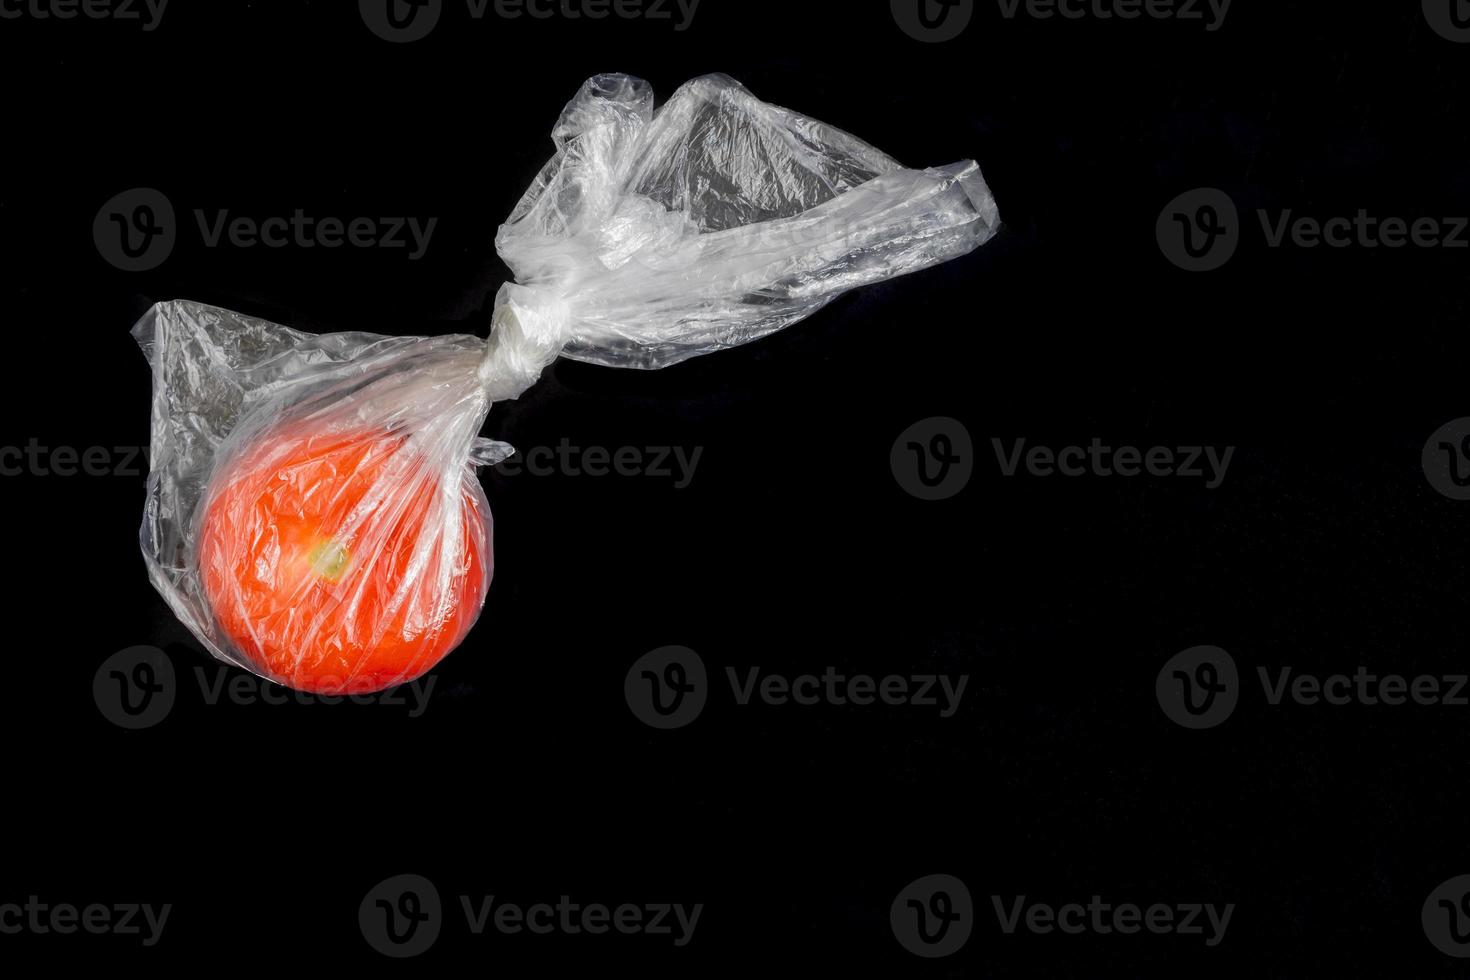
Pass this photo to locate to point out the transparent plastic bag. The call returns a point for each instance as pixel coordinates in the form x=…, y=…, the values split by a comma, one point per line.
x=313, y=512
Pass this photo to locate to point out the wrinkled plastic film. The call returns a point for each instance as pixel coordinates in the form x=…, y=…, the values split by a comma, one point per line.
x=652, y=238
x=313, y=513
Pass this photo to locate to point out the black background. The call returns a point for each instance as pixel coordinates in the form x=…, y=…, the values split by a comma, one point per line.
x=793, y=548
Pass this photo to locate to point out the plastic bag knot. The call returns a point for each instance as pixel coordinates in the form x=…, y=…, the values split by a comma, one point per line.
x=527, y=332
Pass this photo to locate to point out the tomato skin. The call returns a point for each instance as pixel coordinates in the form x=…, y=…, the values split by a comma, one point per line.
x=343, y=562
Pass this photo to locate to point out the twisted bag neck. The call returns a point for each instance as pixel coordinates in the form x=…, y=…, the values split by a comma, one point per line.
x=528, y=331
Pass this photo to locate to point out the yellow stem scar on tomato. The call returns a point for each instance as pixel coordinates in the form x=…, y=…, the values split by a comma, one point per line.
x=329, y=559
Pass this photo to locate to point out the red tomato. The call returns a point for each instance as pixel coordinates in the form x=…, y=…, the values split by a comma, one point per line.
x=341, y=563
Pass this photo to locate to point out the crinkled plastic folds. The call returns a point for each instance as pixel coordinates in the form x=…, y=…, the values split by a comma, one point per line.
x=314, y=514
